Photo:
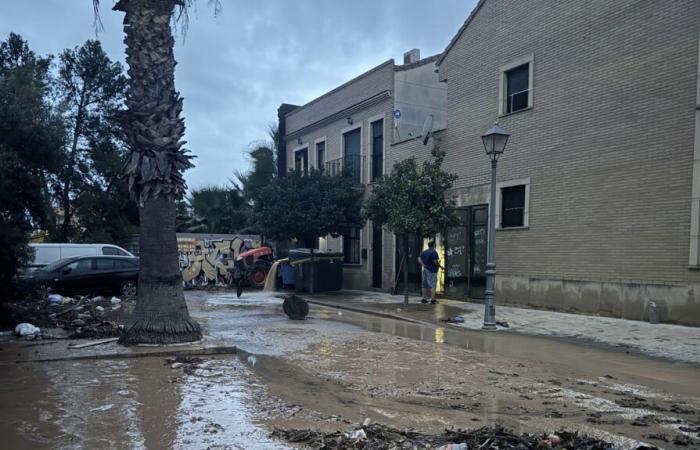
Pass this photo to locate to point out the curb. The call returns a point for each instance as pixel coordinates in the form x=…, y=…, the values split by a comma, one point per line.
x=369, y=311
x=219, y=350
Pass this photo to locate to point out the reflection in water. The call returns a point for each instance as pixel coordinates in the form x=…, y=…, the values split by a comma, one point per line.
x=128, y=404
x=158, y=395
x=440, y=335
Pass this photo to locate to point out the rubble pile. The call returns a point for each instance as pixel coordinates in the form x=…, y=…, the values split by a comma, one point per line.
x=381, y=437
x=81, y=317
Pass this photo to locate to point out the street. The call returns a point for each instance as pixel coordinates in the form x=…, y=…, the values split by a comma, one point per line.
x=331, y=372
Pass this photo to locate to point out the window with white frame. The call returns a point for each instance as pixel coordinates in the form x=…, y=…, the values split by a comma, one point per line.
x=301, y=160
x=513, y=204
x=321, y=155
x=516, y=86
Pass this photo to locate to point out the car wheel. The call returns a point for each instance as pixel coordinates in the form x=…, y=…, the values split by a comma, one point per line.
x=129, y=289
x=43, y=291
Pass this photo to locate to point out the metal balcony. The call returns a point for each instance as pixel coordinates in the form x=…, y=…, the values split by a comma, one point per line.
x=350, y=163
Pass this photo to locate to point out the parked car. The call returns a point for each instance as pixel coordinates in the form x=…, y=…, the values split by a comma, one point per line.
x=47, y=253
x=86, y=275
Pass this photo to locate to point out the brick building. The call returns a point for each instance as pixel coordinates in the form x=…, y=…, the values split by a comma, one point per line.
x=598, y=202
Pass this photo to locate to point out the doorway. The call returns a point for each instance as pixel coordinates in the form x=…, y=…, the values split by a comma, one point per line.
x=411, y=262
x=465, y=253
x=377, y=250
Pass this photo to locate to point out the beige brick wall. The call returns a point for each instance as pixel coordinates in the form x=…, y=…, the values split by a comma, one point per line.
x=608, y=145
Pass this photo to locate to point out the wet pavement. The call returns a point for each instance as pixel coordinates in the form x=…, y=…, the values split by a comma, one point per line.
x=334, y=370
x=675, y=342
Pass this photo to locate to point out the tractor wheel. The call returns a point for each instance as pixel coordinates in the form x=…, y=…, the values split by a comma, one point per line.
x=257, y=275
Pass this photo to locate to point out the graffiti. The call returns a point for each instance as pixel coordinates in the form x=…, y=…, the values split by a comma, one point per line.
x=206, y=259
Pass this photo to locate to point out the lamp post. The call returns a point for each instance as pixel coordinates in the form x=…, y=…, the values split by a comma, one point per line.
x=495, y=141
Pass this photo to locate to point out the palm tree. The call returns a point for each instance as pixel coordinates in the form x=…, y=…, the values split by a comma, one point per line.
x=154, y=130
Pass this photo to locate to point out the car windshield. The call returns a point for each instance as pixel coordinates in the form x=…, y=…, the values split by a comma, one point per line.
x=55, y=265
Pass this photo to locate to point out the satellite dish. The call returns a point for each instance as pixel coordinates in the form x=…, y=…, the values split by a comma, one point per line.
x=427, y=129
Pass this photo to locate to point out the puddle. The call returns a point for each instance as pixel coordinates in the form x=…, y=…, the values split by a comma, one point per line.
x=560, y=356
x=131, y=404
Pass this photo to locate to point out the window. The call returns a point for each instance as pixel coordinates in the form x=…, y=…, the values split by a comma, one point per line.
x=351, y=247
x=513, y=206
x=301, y=160
x=124, y=265
x=352, y=156
x=516, y=85
x=377, y=149
x=82, y=265
x=105, y=264
x=320, y=155
x=517, y=88
x=113, y=251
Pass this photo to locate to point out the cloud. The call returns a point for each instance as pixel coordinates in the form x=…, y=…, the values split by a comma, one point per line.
x=235, y=69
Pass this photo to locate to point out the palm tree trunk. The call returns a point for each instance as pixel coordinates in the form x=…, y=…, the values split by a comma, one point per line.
x=155, y=130
x=161, y=315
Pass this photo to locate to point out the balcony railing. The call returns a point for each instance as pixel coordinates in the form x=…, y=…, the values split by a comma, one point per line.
x=350, y=163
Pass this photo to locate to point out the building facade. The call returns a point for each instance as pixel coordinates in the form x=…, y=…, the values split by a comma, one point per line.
x=598, y=202
x=355, y=126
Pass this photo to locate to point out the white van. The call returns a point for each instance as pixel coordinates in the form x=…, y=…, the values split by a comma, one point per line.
x=47, y=253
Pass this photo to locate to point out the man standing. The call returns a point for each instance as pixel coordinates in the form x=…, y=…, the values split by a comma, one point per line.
x=429, y=260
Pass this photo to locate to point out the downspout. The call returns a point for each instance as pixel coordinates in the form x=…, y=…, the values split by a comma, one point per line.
x=694, y=260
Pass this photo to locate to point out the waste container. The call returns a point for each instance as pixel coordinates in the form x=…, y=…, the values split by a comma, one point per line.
x=327, y=273
x=287, y=274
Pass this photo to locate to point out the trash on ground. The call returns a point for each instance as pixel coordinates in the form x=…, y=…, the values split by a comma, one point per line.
x=461, y=446
x=358, y=435
x=55, y=298
x=384, y=437
x=27, y=329
x=455, y=319
x=502, y=323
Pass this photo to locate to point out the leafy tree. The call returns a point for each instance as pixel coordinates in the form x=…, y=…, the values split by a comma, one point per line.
x=217, y=210
x=155, y=130
x=91, y=91
x=306, y=206
x=262, y=171
x=30, y=134
x=413, y=199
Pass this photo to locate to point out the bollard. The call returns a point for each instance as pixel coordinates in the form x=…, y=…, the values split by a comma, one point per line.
x=653, y=314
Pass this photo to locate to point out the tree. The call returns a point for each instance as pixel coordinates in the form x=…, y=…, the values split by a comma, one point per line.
x=154, y=131
x=217, y=209
x=413, y=199
x=305, y=206
x=30, y=135
x=90, y=89
x=91, y=93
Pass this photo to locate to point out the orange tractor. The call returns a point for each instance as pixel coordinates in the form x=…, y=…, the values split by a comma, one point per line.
x=251, y=267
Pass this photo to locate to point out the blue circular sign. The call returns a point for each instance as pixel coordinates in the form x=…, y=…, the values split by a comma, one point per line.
x=397, y=114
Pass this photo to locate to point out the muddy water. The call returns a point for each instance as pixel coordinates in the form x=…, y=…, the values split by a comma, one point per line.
x=331, y=372
x=120, y=404
x=560, y=356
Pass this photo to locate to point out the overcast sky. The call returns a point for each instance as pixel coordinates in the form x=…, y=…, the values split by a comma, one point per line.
x=234, y=70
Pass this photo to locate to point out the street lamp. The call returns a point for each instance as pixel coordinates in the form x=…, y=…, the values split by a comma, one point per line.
x=495, y=141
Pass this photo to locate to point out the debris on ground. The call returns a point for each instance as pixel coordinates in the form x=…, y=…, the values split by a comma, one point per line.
x=189, y=364
x=376, y=436
x=455, y=319
x=26, y=329
x=83, y=317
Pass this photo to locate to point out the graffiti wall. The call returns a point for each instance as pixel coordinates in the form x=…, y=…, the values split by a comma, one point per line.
x=206, y=258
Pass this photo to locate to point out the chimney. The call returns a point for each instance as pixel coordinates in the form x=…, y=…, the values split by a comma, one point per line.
x=411, y=56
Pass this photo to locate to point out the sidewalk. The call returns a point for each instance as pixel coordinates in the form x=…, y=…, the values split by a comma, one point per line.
x=674, y=342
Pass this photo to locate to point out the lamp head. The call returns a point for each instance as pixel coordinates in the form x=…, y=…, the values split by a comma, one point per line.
x=495, y=140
